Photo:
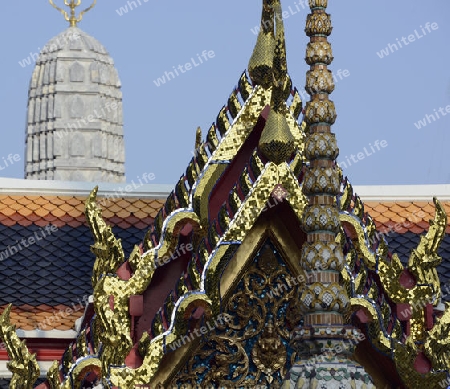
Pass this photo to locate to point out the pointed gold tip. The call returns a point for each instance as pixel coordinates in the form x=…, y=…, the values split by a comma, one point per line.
x=261, y=61
x=198, y=138
x=268, y=68
x=72, y=4
x=268, y=65
x=281, y=78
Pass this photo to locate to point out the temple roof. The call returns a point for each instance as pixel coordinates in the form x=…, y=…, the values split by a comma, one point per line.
x=218, y=246
x=46, y=278
x=54, y=273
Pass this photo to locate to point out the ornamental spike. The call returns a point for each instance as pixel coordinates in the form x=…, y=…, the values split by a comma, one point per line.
x=72, y=4
x=261, y=61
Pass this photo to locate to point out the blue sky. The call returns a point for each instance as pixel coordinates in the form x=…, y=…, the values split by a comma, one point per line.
x=382, y=92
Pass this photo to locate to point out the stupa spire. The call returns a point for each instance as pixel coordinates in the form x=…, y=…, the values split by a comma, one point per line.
x=325, y=340
x=73, y=4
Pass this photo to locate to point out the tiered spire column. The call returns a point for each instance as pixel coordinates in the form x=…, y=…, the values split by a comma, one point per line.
x=324, y=300
x=324, y=341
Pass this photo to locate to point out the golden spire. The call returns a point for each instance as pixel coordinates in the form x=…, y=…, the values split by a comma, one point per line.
x=72, y=4
x=282, y=81
x=277, y=142
x=261, y=61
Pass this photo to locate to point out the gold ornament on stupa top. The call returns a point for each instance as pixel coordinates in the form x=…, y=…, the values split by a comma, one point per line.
x=73, y=4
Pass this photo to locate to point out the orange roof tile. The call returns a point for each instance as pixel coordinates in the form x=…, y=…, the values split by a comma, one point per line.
x=132, y=208
x=24, y=200
x=115, y=208
x=42, y=201
x=147, y=220
x=42, y=212
x=75, y=223
x=9, y=222
x=69, y=210
x=141, y=225
x=123, y=224
x=50, y=207
x=57, y=223
x=380, y=208
x=403, y=204
x=59, y=200
x=140, y=204
x=7, y=200
x=16, y=206
x=75, y=200
x=416, y=229
x=43, y=223
x=62, y=210
x=123, y=213
x=67, y=207
x=414, y=216
x=34, y=206
x=123, y=203
x=140, y=214
x=107, y=213
x=80, y=208
x=58, y=212
x=396, y=208
x=50, y=218
x=26, y=211
x=398, y=217
x=383, y=219
x=66, y=218
x=132, y=219
x=61, y=317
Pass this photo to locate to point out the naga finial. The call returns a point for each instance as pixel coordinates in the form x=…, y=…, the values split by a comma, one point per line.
x=198, y=138
x=72, y=4
x=23, y=365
